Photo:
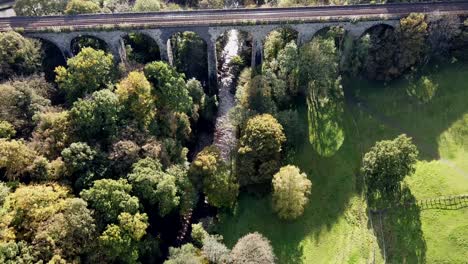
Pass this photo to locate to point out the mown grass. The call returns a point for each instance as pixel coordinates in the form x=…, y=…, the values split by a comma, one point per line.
x=335, y=227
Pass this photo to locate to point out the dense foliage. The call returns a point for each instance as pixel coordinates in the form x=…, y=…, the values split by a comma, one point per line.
x=388, y=162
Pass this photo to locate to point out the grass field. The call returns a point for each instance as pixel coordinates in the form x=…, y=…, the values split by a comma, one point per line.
x=335, y=227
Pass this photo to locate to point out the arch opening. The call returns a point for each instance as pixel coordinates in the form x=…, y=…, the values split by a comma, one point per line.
x=380, y=43
x=80, y=42
x=52, y=57
x=189, y=53
x=244, y=49
x=141, y=48
x=277, y=40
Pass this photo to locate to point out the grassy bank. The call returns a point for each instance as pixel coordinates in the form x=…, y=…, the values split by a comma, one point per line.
x=335, y=227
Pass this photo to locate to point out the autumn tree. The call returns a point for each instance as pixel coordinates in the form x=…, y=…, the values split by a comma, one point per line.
x=50, y=220
x=291, y=189
x=147, y=5
x=388, y=162
x=109, y=198
x=412, y=40
x=76, y=7
x=87, y=72
x=209, y=170
x=121, y=241
x=134, y=93
x=19, y=55
x=260, y=147
x=186, y=254
x=214, y=250
x=7, y=130
x=253, y=248
x=15, y=158
x=21, y=99
x=39, y=7
x=52, y=133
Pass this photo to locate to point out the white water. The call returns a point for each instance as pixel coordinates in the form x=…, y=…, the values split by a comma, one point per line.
x=224, y=135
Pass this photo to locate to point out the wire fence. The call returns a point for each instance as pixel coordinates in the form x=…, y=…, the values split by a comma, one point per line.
x=451, y=202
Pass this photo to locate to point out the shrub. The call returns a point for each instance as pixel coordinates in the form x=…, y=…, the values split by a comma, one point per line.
x=18, y=55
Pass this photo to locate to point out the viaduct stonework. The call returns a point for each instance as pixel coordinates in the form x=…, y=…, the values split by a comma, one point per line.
x=211, y=24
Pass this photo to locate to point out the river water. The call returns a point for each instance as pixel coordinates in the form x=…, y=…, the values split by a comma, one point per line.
x=224, y=134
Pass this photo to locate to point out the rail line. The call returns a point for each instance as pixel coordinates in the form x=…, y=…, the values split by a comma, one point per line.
x=230, y=16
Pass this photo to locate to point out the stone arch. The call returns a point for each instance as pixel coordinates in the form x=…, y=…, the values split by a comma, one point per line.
x=245, y=39
x=360, y=29
x=80, y=41
x=53, y=56
x=270, y=47
x=189, y=51
x=144, y=47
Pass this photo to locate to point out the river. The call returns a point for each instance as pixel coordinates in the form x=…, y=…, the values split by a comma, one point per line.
x=224, y=135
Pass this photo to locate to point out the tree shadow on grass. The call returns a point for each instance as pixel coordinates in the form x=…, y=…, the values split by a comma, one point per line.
x=424, y=122
x=333, y=184
x=398, y=228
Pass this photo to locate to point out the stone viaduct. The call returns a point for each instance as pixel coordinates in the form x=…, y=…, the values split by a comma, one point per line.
x=211, y=24
x=210, y=34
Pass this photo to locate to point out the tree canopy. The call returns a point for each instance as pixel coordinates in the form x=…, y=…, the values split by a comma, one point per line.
x=87, y=72
x=290, y=192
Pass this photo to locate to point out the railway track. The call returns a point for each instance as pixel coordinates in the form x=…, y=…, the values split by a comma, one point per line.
x=230, y=16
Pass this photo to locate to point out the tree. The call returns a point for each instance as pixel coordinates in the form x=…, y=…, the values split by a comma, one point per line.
x=154, y=186
x=253, y=248
x=259, y=151
x=189, y=52
x=7, y=130
x=147, y=5
x=4, y=191
x=18, y=55
x=124, y=153
x=21, y=99
x=195, y=90
x=45, y=217
x=169, y=87
x=187, y=254
x=76, y=7
x=15, y=158
x=412, y=39
x=78, y=157
x=109, y=198
x=17, y=252
x=52, y=133
x=388, y=162
x=87, y=72
x=134, y=93
x=291, y=189
x=442, y=34
x=209, y=169
x=214, y=250
x=96, y=118
x=121, y=241
x=70, y=232
x=39, y=7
